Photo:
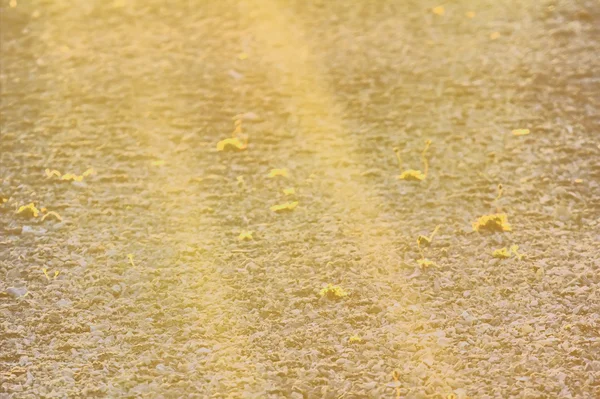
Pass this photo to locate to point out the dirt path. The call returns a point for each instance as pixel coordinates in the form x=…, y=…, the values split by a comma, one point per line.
x=157, y=296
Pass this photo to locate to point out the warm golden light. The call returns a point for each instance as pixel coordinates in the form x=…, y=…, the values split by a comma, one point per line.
x=216, y=199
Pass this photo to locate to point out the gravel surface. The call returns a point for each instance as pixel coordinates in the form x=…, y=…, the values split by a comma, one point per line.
x=128, y=276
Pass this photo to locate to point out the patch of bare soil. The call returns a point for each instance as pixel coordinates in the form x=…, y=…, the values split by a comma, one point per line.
x=138, y=260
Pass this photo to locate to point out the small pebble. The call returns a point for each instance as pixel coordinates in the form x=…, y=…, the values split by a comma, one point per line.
x=250, y=116
x=79, y=184
x=16, y=292
x=32, y=230
x=13, y=274
x=58, y=226
x=64, y=303
x=252, y=266
x=234, y=74
x=369, y=385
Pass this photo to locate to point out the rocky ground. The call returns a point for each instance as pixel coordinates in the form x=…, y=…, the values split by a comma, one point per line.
x=132, y=280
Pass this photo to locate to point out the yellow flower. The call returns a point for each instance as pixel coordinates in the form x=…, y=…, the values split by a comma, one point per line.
x=491, y=223
x=333, y=292
x=412, y=175
x=288, y=206
x=470, y=14
x=28, y=210
x=355, y=339
x=231, y=144
x=245, y=236
x=520, y=132
x=439, y=10
x=278, y=172
x=502, y=253
x=494, y=35
x=289, y=191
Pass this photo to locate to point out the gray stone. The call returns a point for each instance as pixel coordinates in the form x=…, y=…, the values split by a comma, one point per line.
x=16, y=292
x=33, y=230
x=64, y=303
x=13, y=274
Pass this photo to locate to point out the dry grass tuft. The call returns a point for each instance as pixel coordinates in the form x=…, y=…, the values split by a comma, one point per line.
x=55, y=215
x=69, y=176
x=413, y=174
x=426, y=263
x=424, y=241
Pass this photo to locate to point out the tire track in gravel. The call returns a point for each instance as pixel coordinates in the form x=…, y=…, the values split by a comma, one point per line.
x=322, y=135
x=170, y=317
x=525, y=55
